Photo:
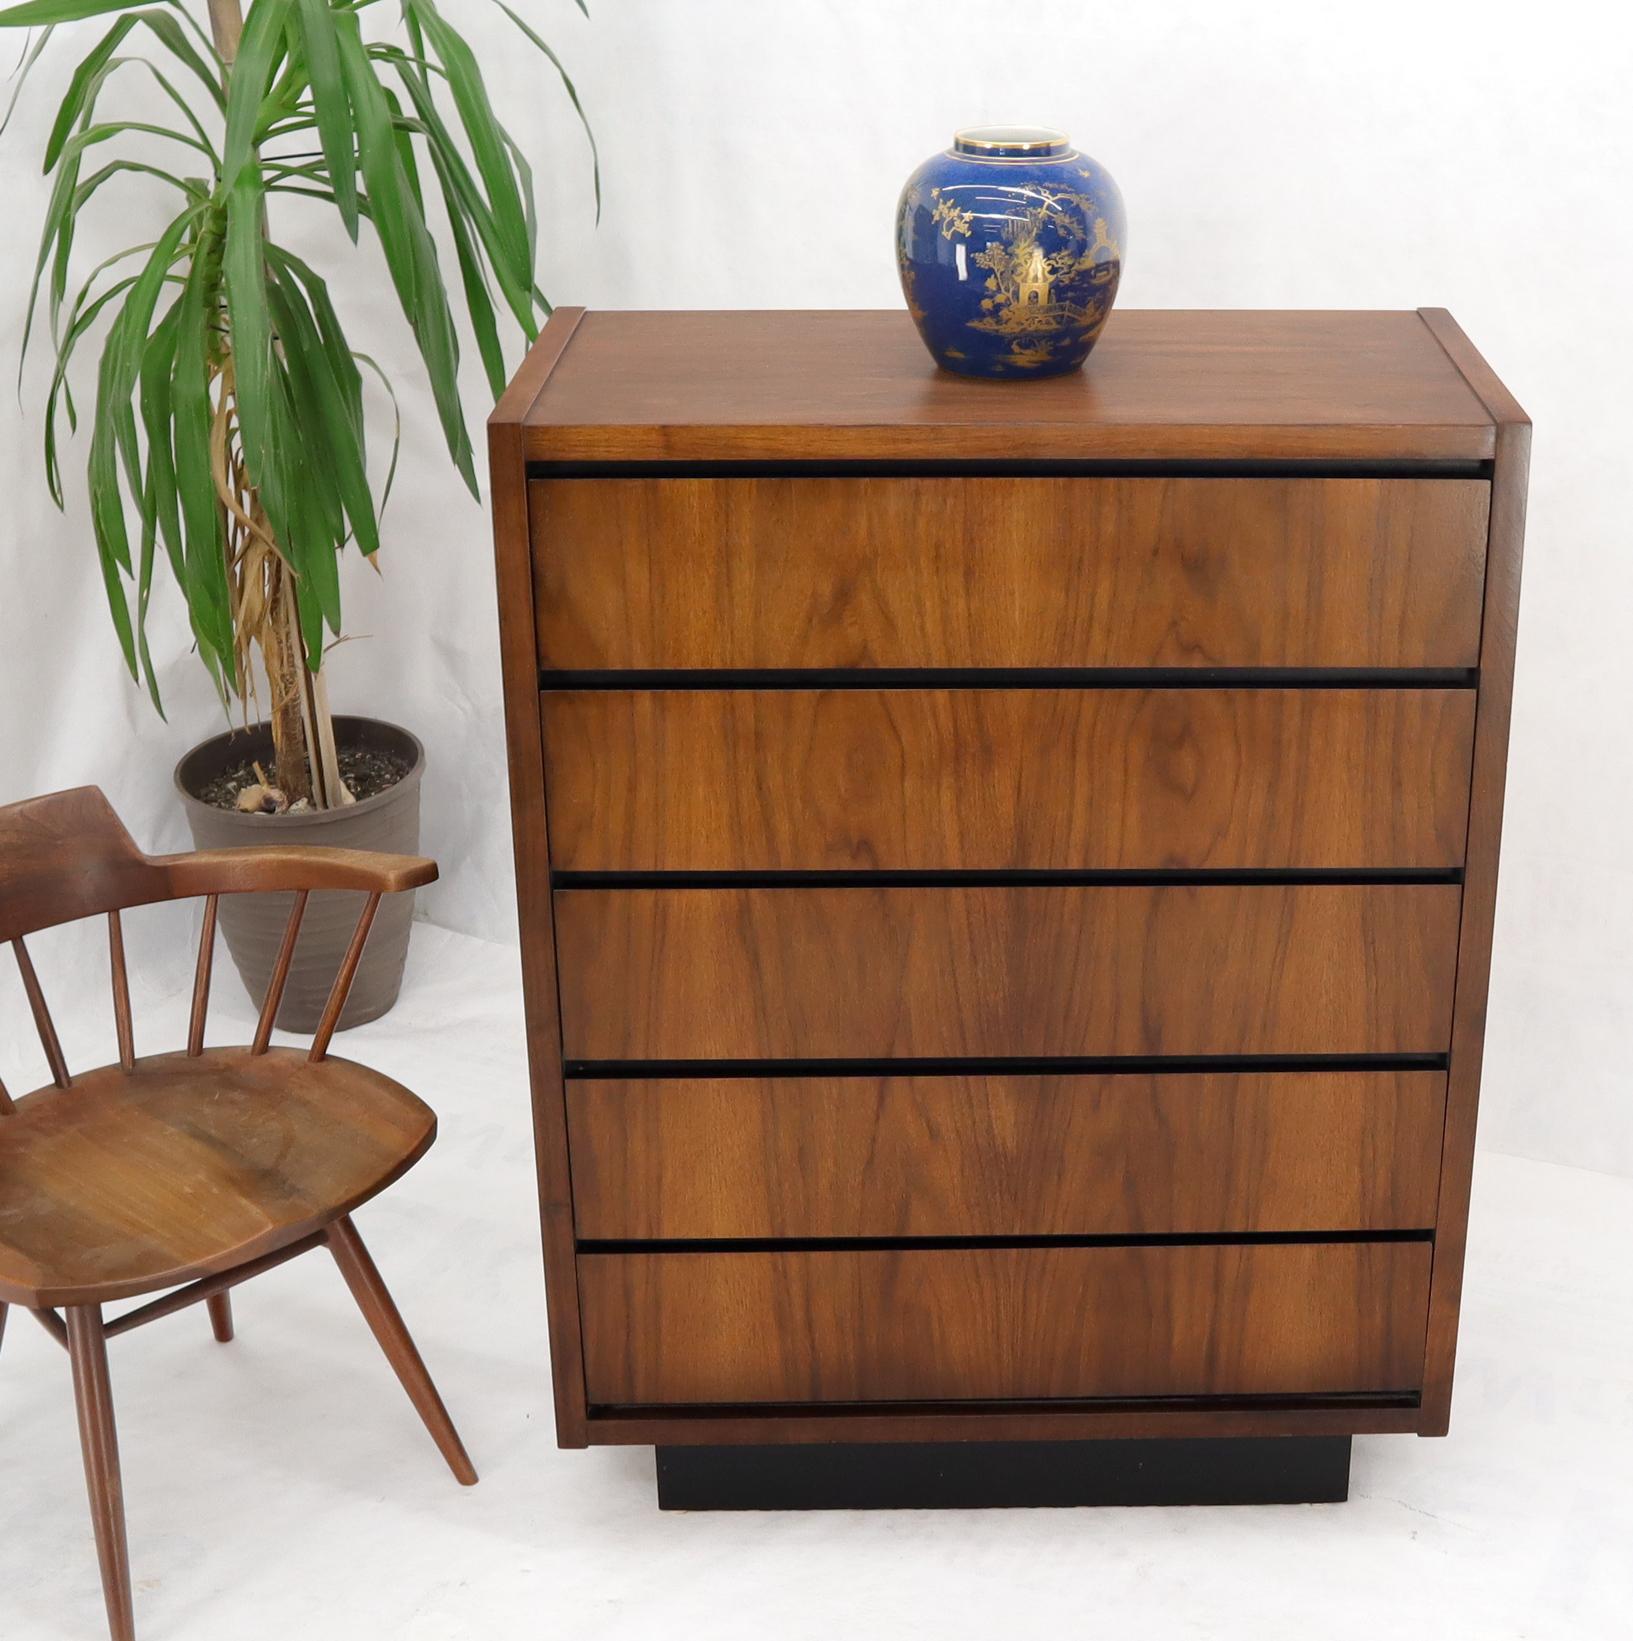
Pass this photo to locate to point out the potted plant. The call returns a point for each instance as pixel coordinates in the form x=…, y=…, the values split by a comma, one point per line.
x=228, y=434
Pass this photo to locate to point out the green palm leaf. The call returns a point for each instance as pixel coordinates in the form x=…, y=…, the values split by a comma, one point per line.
x=230, y=410
x=89, y=73
x=331, y=106
x=34, y=13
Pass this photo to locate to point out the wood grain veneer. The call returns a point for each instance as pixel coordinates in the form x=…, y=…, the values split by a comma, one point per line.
x=1164, y=385
x=1008, y=572
x=965, y=1325
x=981, y=779
x=1062, y=1155
x=859, y=973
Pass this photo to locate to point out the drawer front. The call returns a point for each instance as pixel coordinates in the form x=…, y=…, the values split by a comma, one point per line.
x=1008, y=572
x=988, y=779
x=869, y=973
x=1000, y=1156
x=1281, y=1319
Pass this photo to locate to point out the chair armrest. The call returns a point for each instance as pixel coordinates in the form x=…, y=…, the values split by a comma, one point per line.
x=276, y=867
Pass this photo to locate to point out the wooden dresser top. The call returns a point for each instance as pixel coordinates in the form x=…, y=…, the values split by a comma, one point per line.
x=1163, y=385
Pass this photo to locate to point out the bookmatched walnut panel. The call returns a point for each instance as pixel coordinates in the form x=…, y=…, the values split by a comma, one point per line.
x=1125, y=1155
x=863, y=1325
x=866, y=779
x=1008, y=572
x=867, y=973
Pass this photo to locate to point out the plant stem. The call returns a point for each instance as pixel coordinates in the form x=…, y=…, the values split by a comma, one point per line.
x=281, y=652
x=303, y=754
x=226, y=27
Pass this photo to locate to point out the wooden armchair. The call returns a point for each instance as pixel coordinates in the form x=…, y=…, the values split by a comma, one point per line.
x=183, y=1174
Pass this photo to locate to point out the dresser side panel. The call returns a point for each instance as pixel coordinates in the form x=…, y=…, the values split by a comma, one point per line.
x=1505, y=553
x=518, y=648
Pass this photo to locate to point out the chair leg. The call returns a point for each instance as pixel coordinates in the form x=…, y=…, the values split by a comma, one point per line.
x=383, y=1318
x=220, y=1305
x=88, y=1351
x=4, y=1307
x=53, y=1324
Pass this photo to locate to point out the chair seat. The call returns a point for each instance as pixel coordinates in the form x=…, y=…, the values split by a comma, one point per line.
x=187, y=1166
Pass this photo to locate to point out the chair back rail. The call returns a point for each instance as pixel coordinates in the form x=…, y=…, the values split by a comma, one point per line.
x=67, y=856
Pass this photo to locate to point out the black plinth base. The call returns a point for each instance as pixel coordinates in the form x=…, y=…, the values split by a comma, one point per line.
x=979, y=1475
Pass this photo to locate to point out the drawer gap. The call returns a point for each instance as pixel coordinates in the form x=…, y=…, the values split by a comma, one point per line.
x=1133, y=1064
x=704, y=1412
x=648, y=678
x=1132, y=878
x=938, y=1244
x=1040, y=468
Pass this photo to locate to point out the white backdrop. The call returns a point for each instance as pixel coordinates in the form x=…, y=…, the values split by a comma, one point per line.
x=1474, y=155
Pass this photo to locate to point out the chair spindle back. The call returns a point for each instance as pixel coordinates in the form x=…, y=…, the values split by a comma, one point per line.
x=121, y=992
x=201, y=977
x=42, y=1015
x=343, y=980
x=280, y=974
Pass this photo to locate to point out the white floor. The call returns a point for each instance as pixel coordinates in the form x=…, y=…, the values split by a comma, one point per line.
x=281, y=1486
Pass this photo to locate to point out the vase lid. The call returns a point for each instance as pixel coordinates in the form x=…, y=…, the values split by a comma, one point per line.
x=1010, y=142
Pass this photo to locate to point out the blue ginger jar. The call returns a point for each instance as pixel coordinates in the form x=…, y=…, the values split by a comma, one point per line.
x=1010, y=245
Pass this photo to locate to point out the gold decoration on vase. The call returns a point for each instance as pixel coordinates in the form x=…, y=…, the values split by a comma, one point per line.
x=952, y=219
x=1037, y=295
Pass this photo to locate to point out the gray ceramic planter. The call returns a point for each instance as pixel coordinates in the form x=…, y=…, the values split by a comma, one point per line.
x=254, y=924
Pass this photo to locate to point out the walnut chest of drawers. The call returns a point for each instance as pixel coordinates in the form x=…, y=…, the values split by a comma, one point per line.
x=1006, y=874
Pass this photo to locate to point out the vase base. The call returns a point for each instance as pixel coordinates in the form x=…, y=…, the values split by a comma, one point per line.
x=986, y=373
